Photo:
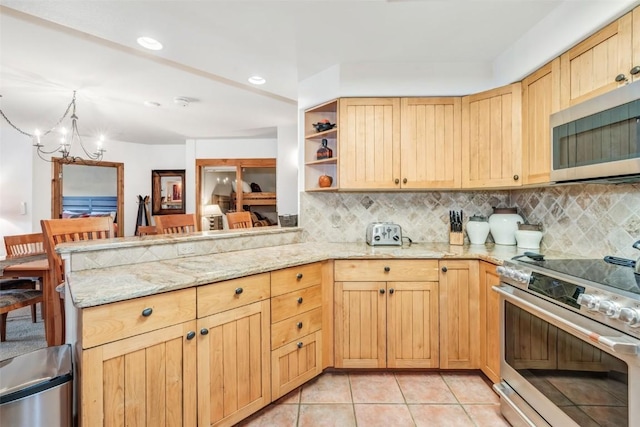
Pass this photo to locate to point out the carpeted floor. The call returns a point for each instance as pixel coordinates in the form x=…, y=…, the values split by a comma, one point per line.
x=23, y=336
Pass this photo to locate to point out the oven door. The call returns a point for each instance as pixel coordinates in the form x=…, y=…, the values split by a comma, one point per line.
x=559, y=368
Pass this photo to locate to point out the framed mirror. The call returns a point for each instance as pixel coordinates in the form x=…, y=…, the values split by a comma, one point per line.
x=167, y=190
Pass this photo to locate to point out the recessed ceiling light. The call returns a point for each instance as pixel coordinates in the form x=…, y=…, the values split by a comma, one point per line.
x=149, y=43
x=151, y=104
x=257, y=80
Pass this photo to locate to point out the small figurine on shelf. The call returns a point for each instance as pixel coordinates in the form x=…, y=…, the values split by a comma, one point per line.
x=325, y=181
x=324, y=152
x=323, y=125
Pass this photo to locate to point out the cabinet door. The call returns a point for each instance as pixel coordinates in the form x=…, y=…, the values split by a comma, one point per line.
x=296, y=363
x=540, y=99
x=635, y=60
x=369, y=143
x=234, y=364
x=145, y=380
x=492, y=138
x=489, y=322
x=430, y=142
x=459, y=315
x=360, y=331
x=412, y=324
x=590, y=68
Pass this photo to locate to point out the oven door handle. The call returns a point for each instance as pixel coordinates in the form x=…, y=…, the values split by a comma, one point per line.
x=615, y=344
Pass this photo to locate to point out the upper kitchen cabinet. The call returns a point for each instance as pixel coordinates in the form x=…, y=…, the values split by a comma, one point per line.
x=492, y=138
x=369, y=143
x=540, y=99
x=602, y=62
x=321, y=146
x=430, y=142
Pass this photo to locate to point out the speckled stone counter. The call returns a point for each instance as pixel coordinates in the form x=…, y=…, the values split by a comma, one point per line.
x=93, y=287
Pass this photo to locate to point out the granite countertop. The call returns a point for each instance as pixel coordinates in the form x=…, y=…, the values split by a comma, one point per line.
x=101, y=286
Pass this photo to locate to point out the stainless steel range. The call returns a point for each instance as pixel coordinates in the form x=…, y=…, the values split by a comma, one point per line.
x=570, y=343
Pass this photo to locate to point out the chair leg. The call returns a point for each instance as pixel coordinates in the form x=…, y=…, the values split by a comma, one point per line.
x=3, y=327
x=33, y=314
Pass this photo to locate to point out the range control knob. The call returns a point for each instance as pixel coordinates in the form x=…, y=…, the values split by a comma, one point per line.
x=523, y=277
x=630, y=316
x=501, y=270
x=608, y=308
x=589, y=301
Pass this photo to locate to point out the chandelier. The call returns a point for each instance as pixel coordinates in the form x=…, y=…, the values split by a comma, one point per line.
x=67, y=138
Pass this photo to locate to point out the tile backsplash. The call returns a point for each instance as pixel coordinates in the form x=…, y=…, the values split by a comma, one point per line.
x=587, y=220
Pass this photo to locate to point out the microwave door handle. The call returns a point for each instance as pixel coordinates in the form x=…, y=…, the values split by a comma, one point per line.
x=615, y=344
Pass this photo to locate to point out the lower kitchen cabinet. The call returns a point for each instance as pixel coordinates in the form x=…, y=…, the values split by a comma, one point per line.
x=145, y=380
x=234, y=370
x=459, y=314
x=295, y=363
x=489, y=322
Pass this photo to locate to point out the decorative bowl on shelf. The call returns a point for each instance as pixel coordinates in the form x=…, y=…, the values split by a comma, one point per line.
x=323, y=126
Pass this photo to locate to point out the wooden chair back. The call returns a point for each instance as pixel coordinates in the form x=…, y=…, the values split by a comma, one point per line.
x=24, y=244
x=147, y=230
x=176, y=224
x=239, y=220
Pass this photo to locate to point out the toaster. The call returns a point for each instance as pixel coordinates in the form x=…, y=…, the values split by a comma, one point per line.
x=384, y=234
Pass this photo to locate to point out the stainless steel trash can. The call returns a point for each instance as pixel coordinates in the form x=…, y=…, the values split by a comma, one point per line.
x=36, y=389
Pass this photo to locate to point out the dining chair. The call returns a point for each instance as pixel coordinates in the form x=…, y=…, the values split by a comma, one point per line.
x=176, y=223
x=67, y=230
x=239, y=220
x=147, y=230
x=21, y=245
x=13, y=299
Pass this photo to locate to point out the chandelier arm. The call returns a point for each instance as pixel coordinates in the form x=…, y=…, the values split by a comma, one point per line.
x=64, y=116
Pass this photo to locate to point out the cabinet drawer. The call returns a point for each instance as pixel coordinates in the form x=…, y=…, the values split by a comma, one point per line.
x=386, y=270
x=229, y=294
x=295, y=363
x=291, y=279
x=287, y=305
x=295, y=327
x=112, y=322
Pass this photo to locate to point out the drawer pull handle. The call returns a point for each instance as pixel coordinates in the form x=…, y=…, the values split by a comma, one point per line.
x=299, y=325
x=300, y=345
x=204, y=331
x=147, y=312
x=299, y=300
x=635, y=70
x=391, y=291
x=191, y=335
x=382, y=291
x=239, y=291
x=299, y=276
x=444, y=269
x=387, y=269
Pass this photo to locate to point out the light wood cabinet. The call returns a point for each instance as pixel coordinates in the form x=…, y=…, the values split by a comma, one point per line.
x=382, y=323
x=459, y=314
x=430, y=142
x=592, y=67
x=489, y=322
x=540, y=99
x=315, y=167
x=492, y=138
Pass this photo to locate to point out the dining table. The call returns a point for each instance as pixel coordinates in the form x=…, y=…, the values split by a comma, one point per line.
x=37, y=266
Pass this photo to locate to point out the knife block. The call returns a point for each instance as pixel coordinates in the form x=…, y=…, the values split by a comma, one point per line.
x=456, y=238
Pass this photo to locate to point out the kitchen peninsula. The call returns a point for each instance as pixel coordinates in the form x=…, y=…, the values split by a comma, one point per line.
x=232, y=321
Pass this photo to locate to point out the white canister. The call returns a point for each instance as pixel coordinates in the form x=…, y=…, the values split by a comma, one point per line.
x=478, y=230
x=504, y=224
x=528, y=239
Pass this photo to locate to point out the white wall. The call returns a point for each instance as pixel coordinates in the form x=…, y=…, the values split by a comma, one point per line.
x=287, y=186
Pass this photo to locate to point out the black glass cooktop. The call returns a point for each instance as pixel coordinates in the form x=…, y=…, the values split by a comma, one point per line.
x=594, y=270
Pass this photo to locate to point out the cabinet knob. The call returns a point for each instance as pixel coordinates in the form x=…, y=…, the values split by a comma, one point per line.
x=299, y=276
x=382, y=291
x=239, y=291
x=621, y=78
x=391, y=291
x=299, y=325
x=444, y=269
x=397, y=181
x=387, y=269
x=635, y=70
x=300, y=345
x=204, y=331
x=191, y=335
x=299, y=300
x=147, y=312
x=516, y=177
x=404, y=181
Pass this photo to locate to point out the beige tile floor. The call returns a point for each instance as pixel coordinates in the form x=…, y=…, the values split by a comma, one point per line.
x=386, y=399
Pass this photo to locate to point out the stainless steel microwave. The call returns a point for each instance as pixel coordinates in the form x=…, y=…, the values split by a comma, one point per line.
x=598, y=140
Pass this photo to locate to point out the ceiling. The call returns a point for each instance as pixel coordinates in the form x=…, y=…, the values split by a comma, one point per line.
x=50, y=48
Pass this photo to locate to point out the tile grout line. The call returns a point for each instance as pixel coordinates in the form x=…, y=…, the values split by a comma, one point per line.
x=406, y=404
